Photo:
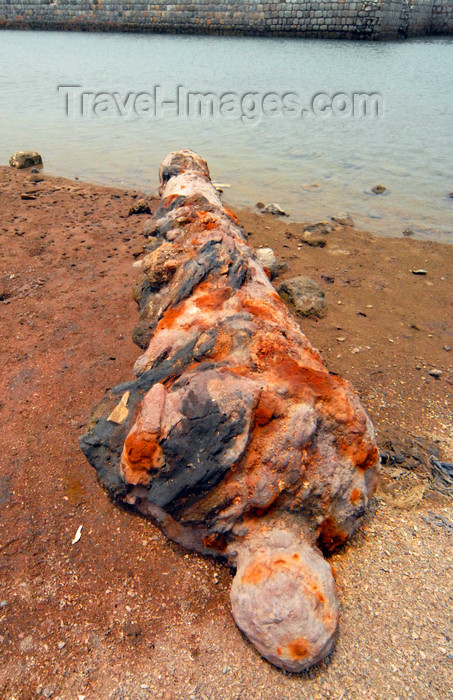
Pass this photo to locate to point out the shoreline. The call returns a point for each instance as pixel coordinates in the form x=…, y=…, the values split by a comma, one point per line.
x=104, y=617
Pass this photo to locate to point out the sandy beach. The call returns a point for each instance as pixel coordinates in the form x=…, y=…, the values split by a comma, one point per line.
x=123, y=613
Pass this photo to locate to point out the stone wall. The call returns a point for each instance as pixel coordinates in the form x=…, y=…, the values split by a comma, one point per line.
x=349, y=19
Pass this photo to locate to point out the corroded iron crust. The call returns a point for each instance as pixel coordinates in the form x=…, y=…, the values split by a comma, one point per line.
x=234, y=436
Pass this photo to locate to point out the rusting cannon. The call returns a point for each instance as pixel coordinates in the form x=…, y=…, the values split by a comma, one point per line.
x=234, y=437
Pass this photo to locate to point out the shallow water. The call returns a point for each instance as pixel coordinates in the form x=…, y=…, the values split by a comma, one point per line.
x=313, y=165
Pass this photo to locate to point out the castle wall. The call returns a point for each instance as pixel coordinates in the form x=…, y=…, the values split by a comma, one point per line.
x=349, y=19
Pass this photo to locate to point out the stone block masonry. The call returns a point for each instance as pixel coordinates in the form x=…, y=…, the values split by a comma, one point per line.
x=335, y=19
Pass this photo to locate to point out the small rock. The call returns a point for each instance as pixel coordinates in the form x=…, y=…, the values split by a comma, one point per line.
x=447, y=348
x=419, y=272
x=25, y=159
x=266, y=257
x=36, y=170
x=379, y=189
x=61, y=645
x=26, y=644
x=28, y=196
x=150, y=228
x=321, y=227
x=260, y=205
x=274, y=209
x=355, y=351
x=342, y=219
x=131, y=629
x=36, y=178
x=315, y=240
x=305, y=295
x=435, y=373
x=47, y=692
x=141, y=206
x=408, y=232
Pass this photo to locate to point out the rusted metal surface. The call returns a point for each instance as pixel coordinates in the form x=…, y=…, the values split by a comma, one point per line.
x=234, y=436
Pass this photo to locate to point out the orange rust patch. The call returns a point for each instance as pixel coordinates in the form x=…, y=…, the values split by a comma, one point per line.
x=269, y=407
x=168, y=200
x=301, y=378
x=232, y=216
x=142, y=451
x=299, y=649
x=320, y=596
x=214, y=299
x=215, y=541
x=296, y=557
x=222, y=346
x=260, y=309
x=207, y=220
x=279, y=651
x=362, y=453
x=255, y=573
x=331, y=537
x=355, y=496
x=170, y=317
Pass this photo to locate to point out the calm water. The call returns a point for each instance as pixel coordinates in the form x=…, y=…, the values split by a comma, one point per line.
x=313, y=166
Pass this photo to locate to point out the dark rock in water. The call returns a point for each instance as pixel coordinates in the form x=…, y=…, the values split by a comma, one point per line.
x=305, y=295
x=379, y=189
x=233, y=436
x=141, y=206
x=274, y=209
x=260, y=205
x=408, y=232
x=25, y=159
x=343, y=219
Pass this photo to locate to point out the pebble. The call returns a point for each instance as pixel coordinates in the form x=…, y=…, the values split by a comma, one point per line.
x=408, y=232
x=435, y=373
x=61, y=645
x=274, y=209
x=419, y=272
x=343, y=219
x=447, y=348
x=379, y=189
